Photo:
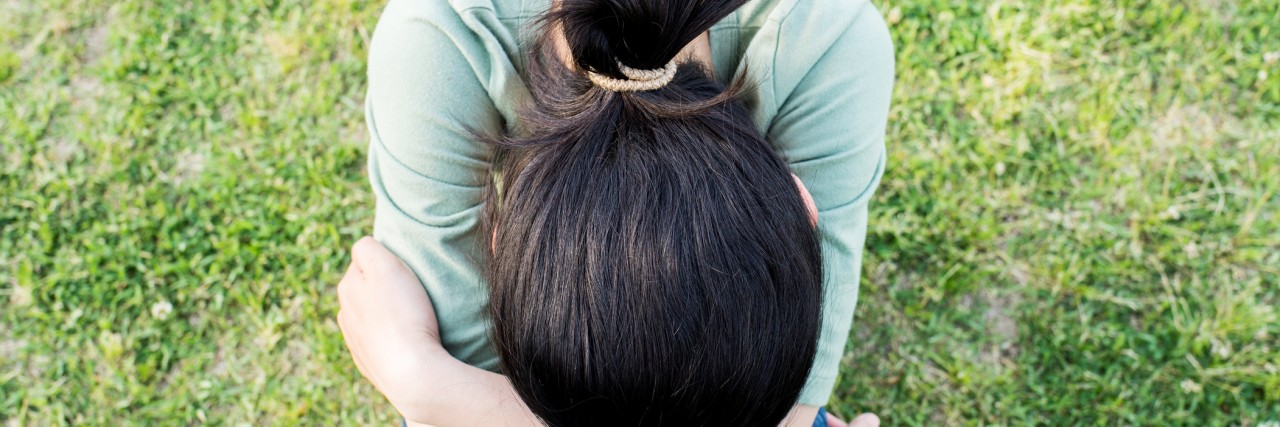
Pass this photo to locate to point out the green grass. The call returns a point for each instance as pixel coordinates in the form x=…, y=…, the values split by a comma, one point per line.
x=1078, y=225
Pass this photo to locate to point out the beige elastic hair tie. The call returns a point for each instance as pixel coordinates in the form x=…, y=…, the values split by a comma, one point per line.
x=637, y=80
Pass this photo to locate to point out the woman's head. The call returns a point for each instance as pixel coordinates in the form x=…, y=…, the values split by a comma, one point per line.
x=654, y=262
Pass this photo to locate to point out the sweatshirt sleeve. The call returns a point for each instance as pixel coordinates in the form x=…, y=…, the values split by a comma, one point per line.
x=427, y=173
x=830, y=125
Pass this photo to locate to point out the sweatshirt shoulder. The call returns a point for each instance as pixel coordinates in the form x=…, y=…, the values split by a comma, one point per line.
x=758, y=13
x=791, y=38
x=460, y=18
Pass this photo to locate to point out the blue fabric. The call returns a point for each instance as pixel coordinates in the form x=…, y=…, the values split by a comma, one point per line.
x=821, y=419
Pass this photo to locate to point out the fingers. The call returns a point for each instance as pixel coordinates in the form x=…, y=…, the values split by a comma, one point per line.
x=365, y=251
x=347, y=286
x=348, y=289
x=809, y=205
x=350, y=341
x=833, y=421
x=865, y=420
x=385, y=317
x=373, y=258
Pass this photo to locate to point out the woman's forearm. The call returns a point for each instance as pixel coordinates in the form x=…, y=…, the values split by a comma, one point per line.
x=800, y=416
x=465, y=395
x=472, y=396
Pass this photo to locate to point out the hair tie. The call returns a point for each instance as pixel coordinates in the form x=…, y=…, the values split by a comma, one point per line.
x=637, y=80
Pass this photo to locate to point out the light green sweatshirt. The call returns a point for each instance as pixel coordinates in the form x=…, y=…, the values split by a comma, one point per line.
x=823, y=71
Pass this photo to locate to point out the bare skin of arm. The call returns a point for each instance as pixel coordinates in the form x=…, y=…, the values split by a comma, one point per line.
x=379, y=295
x=390, y=330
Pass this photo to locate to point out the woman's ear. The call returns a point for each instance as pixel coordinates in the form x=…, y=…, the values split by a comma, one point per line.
x=809, y=205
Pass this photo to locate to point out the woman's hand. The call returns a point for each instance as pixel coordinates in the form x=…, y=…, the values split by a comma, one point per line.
x=389, y=327
x=804, y=416
x=864, y=420
x=391, y=331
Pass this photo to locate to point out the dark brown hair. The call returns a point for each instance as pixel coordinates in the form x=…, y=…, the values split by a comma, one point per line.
x=653, y=262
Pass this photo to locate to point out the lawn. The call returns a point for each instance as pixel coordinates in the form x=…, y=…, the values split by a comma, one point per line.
x=1078, y=224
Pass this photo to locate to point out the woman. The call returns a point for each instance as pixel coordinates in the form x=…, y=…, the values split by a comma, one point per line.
x=820, y=77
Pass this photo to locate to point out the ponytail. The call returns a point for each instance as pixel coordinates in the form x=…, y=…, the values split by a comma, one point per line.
x=652, y=261
x=642, y=34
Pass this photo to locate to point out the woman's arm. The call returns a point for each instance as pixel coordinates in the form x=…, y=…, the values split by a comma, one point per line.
x=430, y=83
x=391, y=332
x=833, y=105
